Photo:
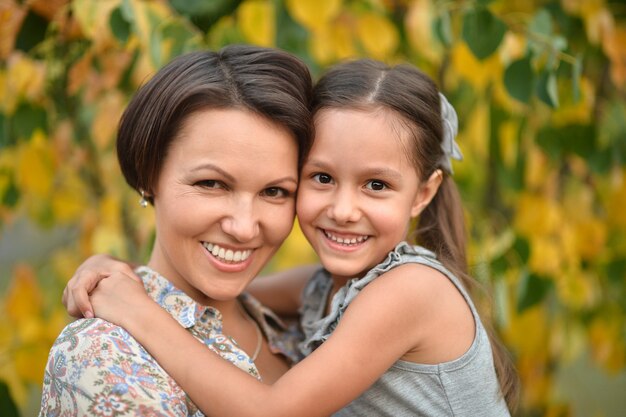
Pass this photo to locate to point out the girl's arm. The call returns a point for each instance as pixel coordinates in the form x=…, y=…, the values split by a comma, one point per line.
x=281, y=291
x=86, y=278
x=376, y=330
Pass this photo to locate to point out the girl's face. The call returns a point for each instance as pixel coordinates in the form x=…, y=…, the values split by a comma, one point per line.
x=224, y=202
x=358, y=191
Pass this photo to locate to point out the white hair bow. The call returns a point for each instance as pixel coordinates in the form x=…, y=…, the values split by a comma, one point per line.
x=449, y=146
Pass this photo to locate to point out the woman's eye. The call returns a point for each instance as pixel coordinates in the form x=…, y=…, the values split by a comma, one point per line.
x=276, y=192
x=323, y=178
x=210, y=184
x=376, y=185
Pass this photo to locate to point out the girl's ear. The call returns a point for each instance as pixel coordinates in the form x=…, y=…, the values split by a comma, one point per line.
x=426, y=192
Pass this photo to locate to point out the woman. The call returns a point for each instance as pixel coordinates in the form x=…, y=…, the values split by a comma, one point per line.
x=213, y=141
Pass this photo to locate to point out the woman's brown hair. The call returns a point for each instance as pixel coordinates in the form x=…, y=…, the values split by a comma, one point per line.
x=414, y=99
x=269, y=82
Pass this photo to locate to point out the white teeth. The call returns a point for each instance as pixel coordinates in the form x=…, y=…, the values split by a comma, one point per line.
x=227, y=255
x=345, y=241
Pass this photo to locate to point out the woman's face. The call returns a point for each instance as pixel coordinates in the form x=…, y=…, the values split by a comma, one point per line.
x=224, y=202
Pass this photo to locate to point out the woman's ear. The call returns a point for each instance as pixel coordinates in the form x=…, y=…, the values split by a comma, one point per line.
x=426, y=192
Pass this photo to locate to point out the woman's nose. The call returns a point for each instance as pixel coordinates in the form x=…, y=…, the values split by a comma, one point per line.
x=242, y=223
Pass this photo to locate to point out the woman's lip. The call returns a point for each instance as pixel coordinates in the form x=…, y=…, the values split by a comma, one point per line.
x=228, y=266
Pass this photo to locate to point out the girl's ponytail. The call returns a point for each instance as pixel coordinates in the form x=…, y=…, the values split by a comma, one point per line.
x=441, y=228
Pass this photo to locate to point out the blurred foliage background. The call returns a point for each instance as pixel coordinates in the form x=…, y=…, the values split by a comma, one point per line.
x=540, y=88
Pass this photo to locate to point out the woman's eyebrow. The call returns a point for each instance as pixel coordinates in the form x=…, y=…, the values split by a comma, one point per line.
x=215, y=168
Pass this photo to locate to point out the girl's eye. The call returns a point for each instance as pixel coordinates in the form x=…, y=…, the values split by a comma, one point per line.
x=376, y=185
x=276, y=192
x=323, y=178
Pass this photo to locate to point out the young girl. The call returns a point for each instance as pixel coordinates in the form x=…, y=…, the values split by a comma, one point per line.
x=389, y=328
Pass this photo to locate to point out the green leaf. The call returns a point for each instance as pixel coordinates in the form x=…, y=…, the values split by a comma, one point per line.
x=5, y=139
x=575, y=138
x=541, y=24
x=616, y=270
x=156, y=40
x=204, y=14
x=32, y=32
x=11, y=195
x=483, y=32
x=442, y=28
x=519, y=79
x=532, y=290
x=27, y=119
x=547, y=89
x=183, y=35
x=7, y=405
x=522, y=248
x=577, y=70
x=119, y=25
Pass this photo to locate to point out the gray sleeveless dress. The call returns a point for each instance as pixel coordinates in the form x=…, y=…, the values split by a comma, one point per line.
x=466, y=386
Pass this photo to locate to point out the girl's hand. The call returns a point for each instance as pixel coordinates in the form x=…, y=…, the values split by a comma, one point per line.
x=120, y=298
x=86, y=278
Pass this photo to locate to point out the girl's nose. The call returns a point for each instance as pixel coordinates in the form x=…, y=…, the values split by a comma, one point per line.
x=242, y=223
x=344, y=208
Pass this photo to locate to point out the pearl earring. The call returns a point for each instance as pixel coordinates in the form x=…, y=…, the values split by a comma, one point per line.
x=143, y=202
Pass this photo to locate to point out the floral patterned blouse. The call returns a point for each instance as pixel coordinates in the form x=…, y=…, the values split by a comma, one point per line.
x=96, y=368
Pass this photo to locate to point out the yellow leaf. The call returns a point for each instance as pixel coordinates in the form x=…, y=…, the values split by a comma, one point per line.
x=528, y=331
x=614, y=47
x=35, y=170
x=577, y=289
x=11, y=17
x=378, y=35
x=257, y=21
x=294, y=252
x=591, y=235
x=508, y=138
x=537, y=216
x=418, y=22
x=55, y=323
x=332, y=43
x=607, y=344
x=64, y=263
x=79, y=73
x=545, y=256
x=23, y=299
x=598, y=22
x=109, y=240
x=69, y=198
x=30, y=362
x=93, y=18
x=24, y=78
x=580, y=112
x=104, y=128
x=475, y=134
x=314, y=14
x=616, y=200
x=9, y=374
x=478, y=73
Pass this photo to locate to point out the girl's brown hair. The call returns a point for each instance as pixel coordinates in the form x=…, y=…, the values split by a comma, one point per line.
x=414, y=99
x=269, y=82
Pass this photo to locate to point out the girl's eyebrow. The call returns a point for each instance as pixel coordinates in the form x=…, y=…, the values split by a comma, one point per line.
x=383, y=172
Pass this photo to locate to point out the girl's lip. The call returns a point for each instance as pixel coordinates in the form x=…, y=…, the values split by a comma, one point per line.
x=344, y=242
